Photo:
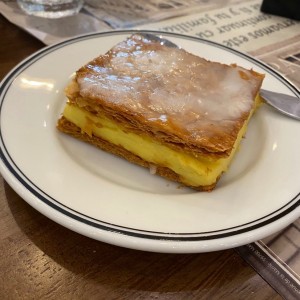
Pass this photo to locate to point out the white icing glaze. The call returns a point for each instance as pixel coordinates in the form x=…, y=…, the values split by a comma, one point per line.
x=169, y=84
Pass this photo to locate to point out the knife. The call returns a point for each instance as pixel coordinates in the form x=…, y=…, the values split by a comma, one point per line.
x=286, y=104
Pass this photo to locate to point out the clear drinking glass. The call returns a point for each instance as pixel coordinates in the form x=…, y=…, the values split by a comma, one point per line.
x=51, y=8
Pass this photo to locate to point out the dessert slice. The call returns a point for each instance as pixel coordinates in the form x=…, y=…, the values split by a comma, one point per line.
x=163, y=108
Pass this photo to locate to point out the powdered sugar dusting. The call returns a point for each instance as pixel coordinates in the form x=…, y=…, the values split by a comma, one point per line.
x=154, y=80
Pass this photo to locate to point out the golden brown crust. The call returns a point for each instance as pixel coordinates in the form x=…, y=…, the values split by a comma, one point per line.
x=182, y=101
x=69, y=128
x=188, y=129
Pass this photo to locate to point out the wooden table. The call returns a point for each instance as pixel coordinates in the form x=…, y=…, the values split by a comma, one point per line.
x=40, y=259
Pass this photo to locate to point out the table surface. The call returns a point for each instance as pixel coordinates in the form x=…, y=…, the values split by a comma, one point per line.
x=42, y=260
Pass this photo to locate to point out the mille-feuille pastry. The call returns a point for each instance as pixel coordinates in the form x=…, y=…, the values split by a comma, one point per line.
x=158, y=106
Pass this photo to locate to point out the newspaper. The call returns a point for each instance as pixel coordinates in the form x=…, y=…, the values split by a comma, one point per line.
x=129, y=13
x=104, y=15
x=51, y=31
x=236, y=24
x=277, y=259
x=274, y=40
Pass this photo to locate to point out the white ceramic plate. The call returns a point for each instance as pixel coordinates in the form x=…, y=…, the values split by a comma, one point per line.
x=111, y=200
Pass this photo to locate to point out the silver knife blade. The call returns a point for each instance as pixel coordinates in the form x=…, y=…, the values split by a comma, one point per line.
x=288, y=105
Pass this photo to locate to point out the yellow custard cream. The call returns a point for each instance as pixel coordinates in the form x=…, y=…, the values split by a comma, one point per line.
x=157, y=105
x=193, y=171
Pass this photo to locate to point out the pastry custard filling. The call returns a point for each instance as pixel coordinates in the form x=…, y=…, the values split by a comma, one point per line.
x=159, y=106
x=193, y=171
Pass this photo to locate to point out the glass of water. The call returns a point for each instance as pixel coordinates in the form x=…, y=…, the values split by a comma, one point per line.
x=51, y=8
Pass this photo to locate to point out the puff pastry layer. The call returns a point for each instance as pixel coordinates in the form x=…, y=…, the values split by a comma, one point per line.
x=190, y=112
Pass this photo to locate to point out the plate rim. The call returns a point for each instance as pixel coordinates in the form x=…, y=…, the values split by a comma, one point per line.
x=7, y=170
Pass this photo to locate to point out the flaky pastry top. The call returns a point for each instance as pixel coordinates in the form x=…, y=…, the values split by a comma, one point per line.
x=164, y=89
